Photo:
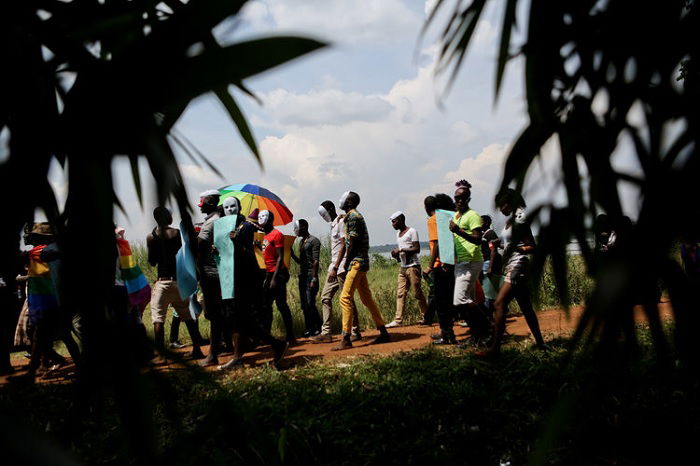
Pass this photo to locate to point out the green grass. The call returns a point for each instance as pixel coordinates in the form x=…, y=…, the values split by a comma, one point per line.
x=422, y=407
x=383, y=278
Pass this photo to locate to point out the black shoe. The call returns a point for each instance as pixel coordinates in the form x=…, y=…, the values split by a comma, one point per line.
x=382, y=338
x=356, y=337
x=436, y=336
x=280, y=350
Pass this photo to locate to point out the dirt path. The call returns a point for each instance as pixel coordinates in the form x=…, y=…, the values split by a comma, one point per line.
x=552, y=322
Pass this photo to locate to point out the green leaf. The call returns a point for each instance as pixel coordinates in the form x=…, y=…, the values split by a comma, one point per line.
x=239, y=120
x=136, y=176
x=216, y=68
x=508, y=25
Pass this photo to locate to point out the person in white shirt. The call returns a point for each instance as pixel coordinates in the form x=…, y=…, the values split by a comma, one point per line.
x=407, y=253
x=336, y=275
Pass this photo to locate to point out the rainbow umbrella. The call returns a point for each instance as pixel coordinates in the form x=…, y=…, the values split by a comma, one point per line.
x=255, y=197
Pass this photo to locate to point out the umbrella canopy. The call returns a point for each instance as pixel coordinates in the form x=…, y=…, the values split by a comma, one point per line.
x=255, y=197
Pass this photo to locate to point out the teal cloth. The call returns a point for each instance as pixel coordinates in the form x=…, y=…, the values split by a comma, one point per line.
x=446, y=242
x=185, y=266
x=224, y=258
x=492, y=284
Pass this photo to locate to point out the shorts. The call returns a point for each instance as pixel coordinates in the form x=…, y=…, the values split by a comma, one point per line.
x=515, y=271
x=466, y=276
x=164, y=294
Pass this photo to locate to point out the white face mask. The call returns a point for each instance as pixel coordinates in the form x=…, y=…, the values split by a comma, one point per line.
x=263, y=217
x=231, y=206
x=324, y=214
x=296, y=227
x=343, y=198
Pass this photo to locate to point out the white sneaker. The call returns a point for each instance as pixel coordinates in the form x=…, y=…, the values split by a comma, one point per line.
x=393, y=324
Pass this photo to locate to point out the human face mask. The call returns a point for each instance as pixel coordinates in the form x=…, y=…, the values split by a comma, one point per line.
x=343, y=198
x=231, y=206
x=263, y=217
x=324, y=214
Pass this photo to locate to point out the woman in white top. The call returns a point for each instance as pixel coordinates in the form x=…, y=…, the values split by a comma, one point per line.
x=517, y=242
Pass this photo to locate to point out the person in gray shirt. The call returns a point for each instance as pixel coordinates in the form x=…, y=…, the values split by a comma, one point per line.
x=309, y=255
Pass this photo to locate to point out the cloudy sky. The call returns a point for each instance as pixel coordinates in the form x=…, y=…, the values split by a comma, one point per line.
x=361, y=115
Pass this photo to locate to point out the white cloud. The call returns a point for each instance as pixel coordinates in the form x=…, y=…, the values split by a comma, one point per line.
x=369, y=21
x=325, y=107
x=199, y=175
x=462, y=132
x=386, y=138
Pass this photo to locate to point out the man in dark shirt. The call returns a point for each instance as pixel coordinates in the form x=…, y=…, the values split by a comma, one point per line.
x=309, y=255
x=163, y=244
x=248, y=280
x=209, y=275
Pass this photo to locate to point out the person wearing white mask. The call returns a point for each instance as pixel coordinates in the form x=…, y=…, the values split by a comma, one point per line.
x=240, y=312
x=277, y=275
x=336, y=275
x=357, y=265
x=407, y=253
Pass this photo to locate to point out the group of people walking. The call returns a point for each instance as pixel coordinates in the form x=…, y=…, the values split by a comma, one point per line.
x=487, y=273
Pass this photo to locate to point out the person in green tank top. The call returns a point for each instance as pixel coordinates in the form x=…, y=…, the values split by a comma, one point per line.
x=466, y=227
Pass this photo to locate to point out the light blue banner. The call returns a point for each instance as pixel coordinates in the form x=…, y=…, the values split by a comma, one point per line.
x=446, y=241
x=224, y=258
x=185, y=266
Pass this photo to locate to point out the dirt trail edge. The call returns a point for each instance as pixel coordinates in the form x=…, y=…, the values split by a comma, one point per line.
x=553, y=322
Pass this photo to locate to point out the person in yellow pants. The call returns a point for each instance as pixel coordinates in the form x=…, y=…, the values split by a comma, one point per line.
x=357, y=265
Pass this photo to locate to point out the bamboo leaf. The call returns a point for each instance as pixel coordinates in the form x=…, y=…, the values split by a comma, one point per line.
x=216, y=68
x=136, y=176
x=509, y=22
x=239, y=120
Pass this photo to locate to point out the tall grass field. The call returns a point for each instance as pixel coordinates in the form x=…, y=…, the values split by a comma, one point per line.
x=382, y=277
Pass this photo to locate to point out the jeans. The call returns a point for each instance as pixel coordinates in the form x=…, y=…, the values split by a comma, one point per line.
x=444, y=281
x=278, y=295
x=307, y=297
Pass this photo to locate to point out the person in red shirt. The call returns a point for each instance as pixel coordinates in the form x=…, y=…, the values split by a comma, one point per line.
x=277, y=275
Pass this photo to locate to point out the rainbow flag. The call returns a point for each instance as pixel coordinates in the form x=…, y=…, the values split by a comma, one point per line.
x=136, y=284
x=41, y=293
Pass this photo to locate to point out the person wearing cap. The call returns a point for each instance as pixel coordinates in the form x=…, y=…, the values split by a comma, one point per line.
x=162, y=244
x=209, y=275
x=276, y=277
x=309, y=256
x=407, y=254
x=357, y=265
x=336, y=275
